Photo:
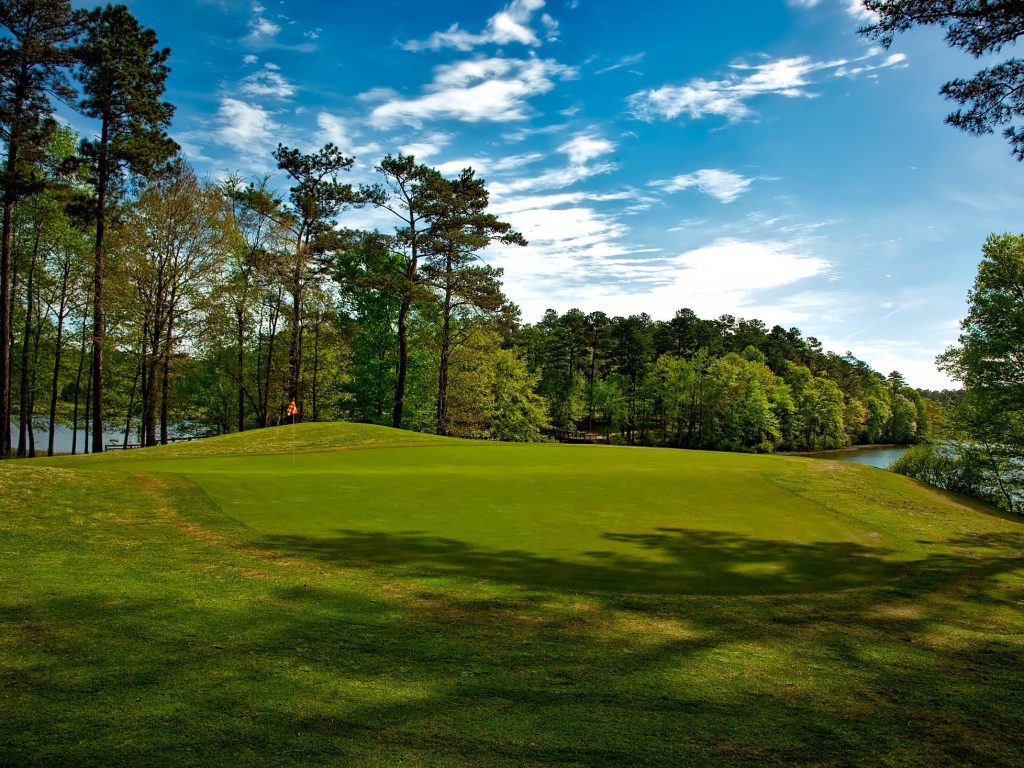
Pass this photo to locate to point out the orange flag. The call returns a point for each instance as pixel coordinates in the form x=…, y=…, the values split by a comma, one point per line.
x=292, y=409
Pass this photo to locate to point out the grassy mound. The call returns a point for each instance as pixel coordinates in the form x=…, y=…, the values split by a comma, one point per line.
x=269, y=598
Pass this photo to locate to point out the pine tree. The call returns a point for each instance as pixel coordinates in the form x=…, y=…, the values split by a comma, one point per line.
x=122, y=72
x=32, y=64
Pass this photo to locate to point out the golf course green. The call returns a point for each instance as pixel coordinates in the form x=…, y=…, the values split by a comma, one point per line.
x=342, y=594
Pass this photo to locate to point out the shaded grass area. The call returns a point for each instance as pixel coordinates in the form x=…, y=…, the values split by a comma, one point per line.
x=147, y=620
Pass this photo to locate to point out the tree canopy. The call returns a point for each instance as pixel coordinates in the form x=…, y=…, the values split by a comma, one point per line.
x=994, y=96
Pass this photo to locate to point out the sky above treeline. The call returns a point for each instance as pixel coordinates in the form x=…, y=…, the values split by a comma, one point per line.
x=757, y=158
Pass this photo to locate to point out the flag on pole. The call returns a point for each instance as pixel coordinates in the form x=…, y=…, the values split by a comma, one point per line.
x=292, y=408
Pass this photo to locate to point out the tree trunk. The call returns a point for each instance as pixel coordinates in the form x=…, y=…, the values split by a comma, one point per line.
x=55, y=387
x=98, y=320
x=446, y=341
x=78, y=384
x=403, y=361
x=165, y=384
x=316, y=366
x=6, y=250
x=151, y=361
x=24, y=417
x=131, y=406
x=241, y=368
x=6, y=333
x=32, y=382
x=88, y=406
x=295, y=342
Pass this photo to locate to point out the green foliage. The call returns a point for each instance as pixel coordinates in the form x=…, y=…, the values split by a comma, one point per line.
x=520, y=414
x=123, y=72
x=955, y=468
x=994, y=96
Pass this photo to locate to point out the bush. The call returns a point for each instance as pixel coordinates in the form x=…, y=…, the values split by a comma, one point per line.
x=964, y=468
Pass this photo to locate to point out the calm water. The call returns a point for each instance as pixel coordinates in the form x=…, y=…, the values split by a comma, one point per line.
x=875, y=457
x=62, y=438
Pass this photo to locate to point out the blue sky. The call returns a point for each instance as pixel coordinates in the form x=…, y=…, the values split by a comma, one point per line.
x=755, y=158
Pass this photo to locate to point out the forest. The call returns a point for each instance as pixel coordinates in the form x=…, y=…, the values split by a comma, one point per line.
x=143, y=300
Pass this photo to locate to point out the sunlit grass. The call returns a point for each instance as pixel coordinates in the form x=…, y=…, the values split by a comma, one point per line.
x=434, y=602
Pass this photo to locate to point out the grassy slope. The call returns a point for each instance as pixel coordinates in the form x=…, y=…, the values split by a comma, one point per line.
x=277, y=598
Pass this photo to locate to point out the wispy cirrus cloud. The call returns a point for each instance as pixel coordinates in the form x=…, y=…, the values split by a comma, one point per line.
x=267, y=82
x=729, y=96
x=335, y=129
x=245, y=127
x=479, y=90
x=580, y=150
x=488, y=165
x=625, y=61
x=512, y=24
x=724, y=186
x=854, y=8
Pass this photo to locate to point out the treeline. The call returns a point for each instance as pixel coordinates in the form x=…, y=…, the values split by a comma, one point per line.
x=725, y=384
x=138, y=297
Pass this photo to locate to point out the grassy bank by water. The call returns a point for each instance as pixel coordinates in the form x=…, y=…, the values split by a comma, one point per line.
x=346, y=594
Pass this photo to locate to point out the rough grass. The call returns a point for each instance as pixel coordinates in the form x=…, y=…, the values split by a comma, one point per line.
x=285, y=598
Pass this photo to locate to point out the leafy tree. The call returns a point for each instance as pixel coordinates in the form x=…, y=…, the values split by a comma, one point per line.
x=122, y=72
x=317, y=198
x=407, y=192
x=520, y=414
x=994, y=96
x=461, y=228
x=176, y=236
x=989, y=358
x=32, y=69
x=245, y=288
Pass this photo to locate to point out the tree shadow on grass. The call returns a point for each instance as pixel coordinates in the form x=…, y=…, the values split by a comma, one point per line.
x=669, y=561
x=616, y=661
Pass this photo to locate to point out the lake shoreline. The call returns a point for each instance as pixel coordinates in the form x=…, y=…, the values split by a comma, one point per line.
x=847, y=449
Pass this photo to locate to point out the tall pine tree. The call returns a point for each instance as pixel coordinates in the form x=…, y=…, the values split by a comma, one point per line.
x=122, y=72
x=32, y=70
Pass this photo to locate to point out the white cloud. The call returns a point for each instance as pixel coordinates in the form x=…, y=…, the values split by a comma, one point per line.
x=249, y=59
x=895, y=60
x=267, y=83
x=428, y=146
x=729, y=97
x=488, y=165
x=555, y=178
x=625, y=61
x=591, y=267
x=857, y=10
x=510, y=25
x=915, y=360
x=262, y=28
x=584, y=147
x=480, y=90
x=335, y=129
x=550, y=28
x=579, y=150
x=854, y=8
x=724, y=186
x=245, y=127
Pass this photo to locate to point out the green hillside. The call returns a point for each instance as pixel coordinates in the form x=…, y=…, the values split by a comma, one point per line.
x=348, y=594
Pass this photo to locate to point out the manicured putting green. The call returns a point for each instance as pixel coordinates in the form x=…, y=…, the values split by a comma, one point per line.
x=565, y=517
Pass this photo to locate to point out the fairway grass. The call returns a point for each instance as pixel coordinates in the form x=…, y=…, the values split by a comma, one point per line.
x=352, y=595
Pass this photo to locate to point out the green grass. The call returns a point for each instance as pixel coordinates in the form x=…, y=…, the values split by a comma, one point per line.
x=351, y=595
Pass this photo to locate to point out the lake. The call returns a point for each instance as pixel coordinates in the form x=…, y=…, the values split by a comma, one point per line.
x=875, y=456
x=62, y=437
